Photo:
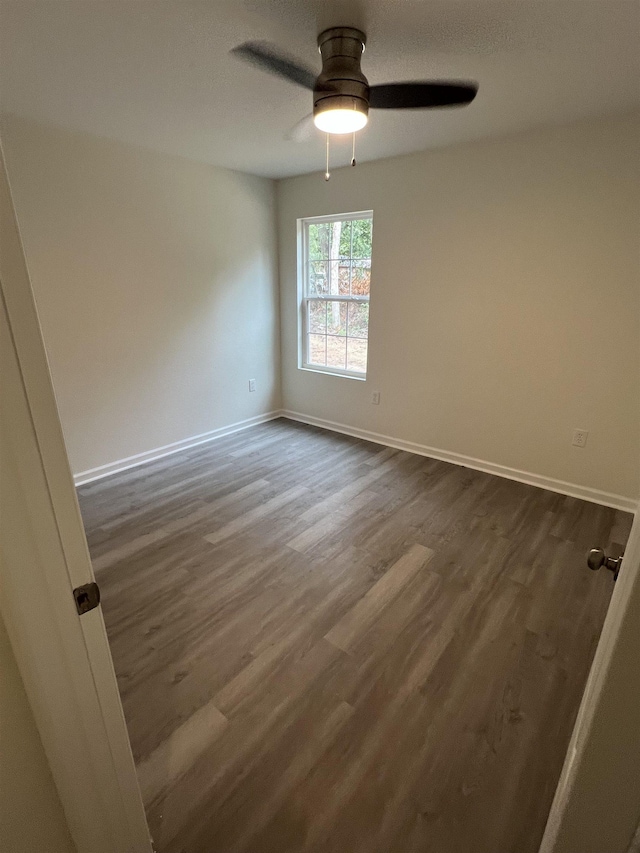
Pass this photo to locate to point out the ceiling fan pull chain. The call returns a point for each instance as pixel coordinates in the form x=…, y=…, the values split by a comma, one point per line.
x=327, y=173
x=353, y=150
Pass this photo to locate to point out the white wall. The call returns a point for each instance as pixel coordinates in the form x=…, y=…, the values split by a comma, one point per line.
x=155, y=280
x=31, y=817
x=505, y=303
x=505, y=306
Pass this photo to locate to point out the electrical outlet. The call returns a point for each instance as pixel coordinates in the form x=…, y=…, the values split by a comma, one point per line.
x=252, y=385
x=375, y=398
x=580, y=437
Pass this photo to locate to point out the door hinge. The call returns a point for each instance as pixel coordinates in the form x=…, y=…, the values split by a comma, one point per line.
x=87, y=597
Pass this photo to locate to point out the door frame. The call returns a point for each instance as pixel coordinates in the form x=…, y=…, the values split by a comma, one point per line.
x=64, y=659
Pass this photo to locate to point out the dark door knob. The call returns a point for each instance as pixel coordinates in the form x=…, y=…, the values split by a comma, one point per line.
x=597, y=558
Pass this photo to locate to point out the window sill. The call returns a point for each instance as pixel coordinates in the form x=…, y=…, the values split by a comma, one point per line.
x=336, y=373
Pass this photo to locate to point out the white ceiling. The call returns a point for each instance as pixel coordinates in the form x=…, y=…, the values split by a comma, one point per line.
x=158, y=73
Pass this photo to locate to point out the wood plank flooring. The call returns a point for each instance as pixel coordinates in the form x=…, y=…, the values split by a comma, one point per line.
x=325, y=645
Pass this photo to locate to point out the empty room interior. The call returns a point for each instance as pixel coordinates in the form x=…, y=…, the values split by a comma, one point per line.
x=345, y=349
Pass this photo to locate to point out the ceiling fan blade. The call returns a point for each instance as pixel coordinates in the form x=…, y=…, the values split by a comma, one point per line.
x=302, y=131
x=269, y=58
x=415, y=96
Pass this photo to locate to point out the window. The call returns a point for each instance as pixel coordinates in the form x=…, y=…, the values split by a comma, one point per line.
x=335, y=268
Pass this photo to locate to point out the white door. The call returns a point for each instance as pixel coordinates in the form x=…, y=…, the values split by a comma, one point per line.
x=597, y=804
x=64, y=658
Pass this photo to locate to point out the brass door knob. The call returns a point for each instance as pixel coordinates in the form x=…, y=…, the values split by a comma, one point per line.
x=597, y=558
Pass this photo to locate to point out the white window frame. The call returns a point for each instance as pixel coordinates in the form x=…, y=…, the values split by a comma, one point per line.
x=304, y=298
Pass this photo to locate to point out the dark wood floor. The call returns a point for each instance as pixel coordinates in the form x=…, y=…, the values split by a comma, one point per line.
x=325, y=645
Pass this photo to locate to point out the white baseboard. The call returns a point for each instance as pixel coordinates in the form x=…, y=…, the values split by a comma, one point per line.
x=158, y=452
x=583, y=492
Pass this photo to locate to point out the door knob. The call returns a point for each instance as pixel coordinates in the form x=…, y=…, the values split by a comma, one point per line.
x=597, y=558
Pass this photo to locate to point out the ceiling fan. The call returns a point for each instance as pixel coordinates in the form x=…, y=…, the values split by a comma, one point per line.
x=341, y=93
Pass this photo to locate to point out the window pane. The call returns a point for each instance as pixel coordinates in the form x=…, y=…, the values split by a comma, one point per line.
x=317, y=349
x=344, y=273
x=317, y=317
x=333, y=285
x=318, y=241
x=337, y=318
x=344, y=245
x=318, y=278
x=359, y=320
x=361, y=277
x=357, y=355
x=337, y=352
x=361, y=238
x=336, y=236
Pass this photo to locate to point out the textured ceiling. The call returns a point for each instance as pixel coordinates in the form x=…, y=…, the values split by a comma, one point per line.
x=158, y=73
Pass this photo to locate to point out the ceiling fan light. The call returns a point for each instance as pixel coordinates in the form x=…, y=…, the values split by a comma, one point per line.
x=341, y=118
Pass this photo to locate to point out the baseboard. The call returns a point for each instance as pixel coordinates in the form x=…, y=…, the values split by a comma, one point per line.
x=583, y=492
x=575, y=491
x=158, y=452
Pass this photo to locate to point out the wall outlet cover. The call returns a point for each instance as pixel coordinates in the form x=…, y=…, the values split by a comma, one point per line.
x=252, y=385
x=580, y=437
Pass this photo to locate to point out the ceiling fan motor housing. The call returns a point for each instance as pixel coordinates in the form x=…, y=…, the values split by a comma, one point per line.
x=341, y=84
